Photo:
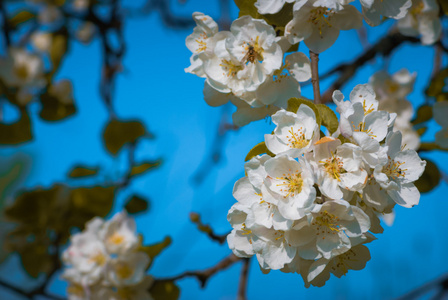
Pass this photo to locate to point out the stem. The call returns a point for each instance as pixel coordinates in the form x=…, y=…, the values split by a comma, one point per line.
x=243, y=280
x=204, y=275
x=315, y=76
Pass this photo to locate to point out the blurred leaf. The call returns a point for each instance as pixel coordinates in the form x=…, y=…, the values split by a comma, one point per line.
x=21, y=17
x=93, y=201
x=53, y=109
x=444, y=6
x=11, y=176
x=36, y=259
x=437, y=83
x=430, y=147
x=83, y=171
x=136, y=204
x=421, y=131
x=144, y=167
x=155, y=249
x=429, y=179
x=18, y=132
x=424, y=113
x=257, y=150
x=33, y=207
x=329, y=118
x=58, y=49
x=164, y=290
x=294, y=104
x=278, y=20
x=117, y=133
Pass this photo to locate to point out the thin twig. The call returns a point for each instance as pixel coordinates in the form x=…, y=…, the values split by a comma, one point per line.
x=196, y=218
x=441, y=282
x=243, y=280
x=315, y=76
x=346, y=71
x=204, y=275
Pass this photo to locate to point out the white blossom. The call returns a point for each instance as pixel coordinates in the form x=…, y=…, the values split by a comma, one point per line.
x=422, y=20
x=374, y=10
x=318, y=26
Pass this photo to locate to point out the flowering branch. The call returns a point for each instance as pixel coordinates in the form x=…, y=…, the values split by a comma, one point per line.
x=204, y=275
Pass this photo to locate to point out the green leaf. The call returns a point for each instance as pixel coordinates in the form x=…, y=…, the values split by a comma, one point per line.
x=444, y=6
x=18, y=132
x=430, y=147
x=93, y=201
x=155, y=249
x=429, y=179
x=437, y=83
x=164, y=290
x=21, y=17
x=424, y=113
x=53, y=109
x=294, y=104
x=144, y=167
x=258, y=150
x=79, y=171
x=118, y=133
x=329, y=118
x=58, y=49
x=421, y=131
x=136, y=204
x=36, y=259
x=278, y=20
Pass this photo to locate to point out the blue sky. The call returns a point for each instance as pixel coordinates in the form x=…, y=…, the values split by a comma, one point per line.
x=154, y=88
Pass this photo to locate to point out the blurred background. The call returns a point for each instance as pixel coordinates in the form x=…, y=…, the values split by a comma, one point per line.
x=128, y=84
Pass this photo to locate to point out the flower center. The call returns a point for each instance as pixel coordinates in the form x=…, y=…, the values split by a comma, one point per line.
x=230, y=67
x=320, y=17
x=297, y=138
x=392, y=86
x=417, y=9
x=393, y=169
x=292, y=183
x=253, y=50
x=21, y=71
x=367, y=110
x=76, y=289
x=116, y=239
x=334, y=166
x=99, y=258
x=123, y=270
x=202, y=44
x=326, y=223
x=362, y=128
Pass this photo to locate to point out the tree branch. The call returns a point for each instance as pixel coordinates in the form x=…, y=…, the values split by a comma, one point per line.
x=243, y=280
x=204, y=275
x=5, y=24
x=346, y=71
x=315, y=76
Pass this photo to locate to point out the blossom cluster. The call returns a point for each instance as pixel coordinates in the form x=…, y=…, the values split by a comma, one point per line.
x=105, y=262
x=251, y=65
x=311, y=207
x=245, y=65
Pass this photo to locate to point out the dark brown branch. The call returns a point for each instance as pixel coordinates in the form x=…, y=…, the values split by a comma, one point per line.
x=315, y=76
x=243, y=280
x=204, y=276
x=441, y=283
x=5, y=26
x=346, y=71
x=196, y=218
